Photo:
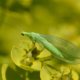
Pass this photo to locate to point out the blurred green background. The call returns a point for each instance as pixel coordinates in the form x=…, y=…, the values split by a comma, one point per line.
x=55, y=17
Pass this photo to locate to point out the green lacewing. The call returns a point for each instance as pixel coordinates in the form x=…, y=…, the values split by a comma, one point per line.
x=59, y=48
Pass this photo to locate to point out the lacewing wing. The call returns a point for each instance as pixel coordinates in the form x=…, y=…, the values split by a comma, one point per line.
x=70, y=51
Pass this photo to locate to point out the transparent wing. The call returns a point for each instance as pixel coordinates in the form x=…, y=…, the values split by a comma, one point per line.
x=70, y=51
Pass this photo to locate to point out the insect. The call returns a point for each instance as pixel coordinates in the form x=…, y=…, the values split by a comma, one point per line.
x=59, y=48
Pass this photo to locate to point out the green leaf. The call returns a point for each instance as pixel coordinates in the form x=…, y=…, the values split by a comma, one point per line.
x=10, y=74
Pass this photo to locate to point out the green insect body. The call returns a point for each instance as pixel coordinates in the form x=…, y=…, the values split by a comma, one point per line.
x=46, y=44
x=61, y=49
